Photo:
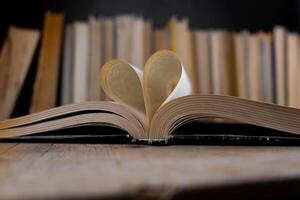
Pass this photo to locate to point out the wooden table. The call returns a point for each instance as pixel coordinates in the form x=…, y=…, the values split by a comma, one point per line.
x=35, y=170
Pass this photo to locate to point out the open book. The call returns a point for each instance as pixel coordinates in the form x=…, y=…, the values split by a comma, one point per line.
x=150, y=105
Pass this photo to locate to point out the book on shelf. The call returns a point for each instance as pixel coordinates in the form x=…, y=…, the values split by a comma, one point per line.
x=222, y=63
x=67, y=67
x=124, y=25
x=254, y=68
x=15, y=59
x=95, y=59
x=109, y=42
x=203, y=62
x=181, y=42
x=160, y=39
x=293, y=70
x=217, y=61
x=80, y=66
x=242, y=63
x=46, y=80
x=280, y=65
x=151, y=104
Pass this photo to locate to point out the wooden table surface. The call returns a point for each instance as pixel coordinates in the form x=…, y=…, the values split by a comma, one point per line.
x=35, y=170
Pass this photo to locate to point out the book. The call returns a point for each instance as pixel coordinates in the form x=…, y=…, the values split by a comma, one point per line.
x=280, y=65
x=109, y=44
x=160, y=40
x=137, y=42
x=148, y=43
x=67, y=67
x=124, y=25
x=45, y=86
x=293, y=70
x=242, y=61
x=181, y=41
x=217, y=61
x=255, y=92
x=95, y=57
x=223, y=63
x=80, y=67
x=266, y=69
x=15, y=59
x=150, y=105
x=260, y=67
x=203, y=62
x=109, y=39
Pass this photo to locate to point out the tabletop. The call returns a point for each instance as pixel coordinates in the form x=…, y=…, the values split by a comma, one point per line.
x=125, y=171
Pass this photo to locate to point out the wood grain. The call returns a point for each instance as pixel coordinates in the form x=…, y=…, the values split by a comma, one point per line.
x=97, y=170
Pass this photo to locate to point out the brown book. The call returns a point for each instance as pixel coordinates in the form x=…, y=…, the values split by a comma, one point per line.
x=223, y=63
x=160, y=40
x=255, y=92
x=148, y=43
x=95, y=59
x=45, y=86
x=260, y=67
x=293, y=70
x=137, y=46
x=109, y=40
x=140, y=41
x=109, y=44
x=16, y=57
x=124, y=25
x=203, y=62
x=181, y=43
x=241, y=60
x=280, y=65
x=151, y=105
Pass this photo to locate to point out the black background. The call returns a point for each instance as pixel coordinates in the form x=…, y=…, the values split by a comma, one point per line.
x=230, y=14
x=203, y=14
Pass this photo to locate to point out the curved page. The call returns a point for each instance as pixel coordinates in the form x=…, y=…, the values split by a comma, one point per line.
x=102, y=113
x=164, y=80
x=122, y=83
x=194, y=107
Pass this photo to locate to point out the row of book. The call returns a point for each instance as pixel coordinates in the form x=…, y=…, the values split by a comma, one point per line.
x=260, y=66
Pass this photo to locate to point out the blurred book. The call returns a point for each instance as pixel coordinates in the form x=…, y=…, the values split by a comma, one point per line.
x=181, y=43
x=260, y=66
x=15, y=59
x=46, y=80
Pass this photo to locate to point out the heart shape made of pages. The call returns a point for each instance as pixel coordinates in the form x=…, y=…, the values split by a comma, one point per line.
x=164, y=78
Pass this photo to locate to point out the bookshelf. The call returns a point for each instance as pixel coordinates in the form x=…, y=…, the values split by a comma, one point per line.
x=208, y=14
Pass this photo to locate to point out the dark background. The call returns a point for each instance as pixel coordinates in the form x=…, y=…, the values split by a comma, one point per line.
x=229, y=14
x=203, y=14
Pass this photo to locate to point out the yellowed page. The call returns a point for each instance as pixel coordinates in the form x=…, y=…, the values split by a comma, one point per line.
x=163, y=80
x=122, y=83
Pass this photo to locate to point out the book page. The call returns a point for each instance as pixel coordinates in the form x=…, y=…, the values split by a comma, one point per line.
x=98, y=113
x=195, y=107
x=122, y=83
x=163, y=80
